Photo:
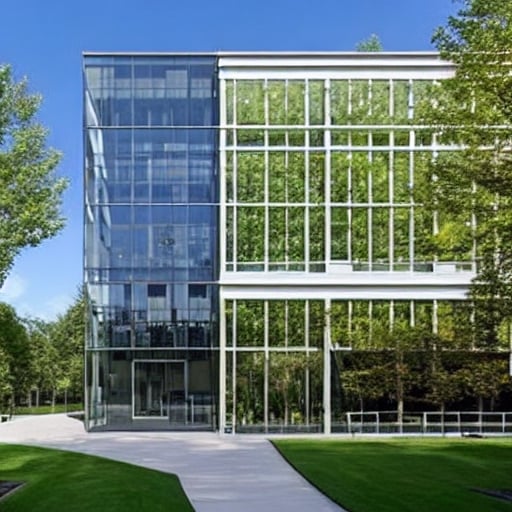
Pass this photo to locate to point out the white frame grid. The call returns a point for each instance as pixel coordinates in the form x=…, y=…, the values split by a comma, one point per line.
x=441, y=283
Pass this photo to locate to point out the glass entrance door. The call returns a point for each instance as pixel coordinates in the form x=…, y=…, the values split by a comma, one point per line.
x=160, y=391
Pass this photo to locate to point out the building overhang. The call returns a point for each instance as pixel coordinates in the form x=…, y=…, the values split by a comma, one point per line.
x=357, y=286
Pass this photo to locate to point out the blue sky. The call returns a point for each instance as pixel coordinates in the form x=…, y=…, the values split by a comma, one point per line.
x=44, y=40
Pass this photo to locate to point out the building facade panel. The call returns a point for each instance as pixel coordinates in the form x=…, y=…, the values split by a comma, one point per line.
x=151, y=238
x=251, y=219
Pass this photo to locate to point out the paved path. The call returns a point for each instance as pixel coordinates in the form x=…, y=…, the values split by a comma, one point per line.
x=218, y=473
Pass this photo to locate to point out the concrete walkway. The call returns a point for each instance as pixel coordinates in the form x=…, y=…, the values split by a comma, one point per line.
x=218, y=473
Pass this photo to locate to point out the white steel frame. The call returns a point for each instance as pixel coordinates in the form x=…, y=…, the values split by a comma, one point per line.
x=451, y=284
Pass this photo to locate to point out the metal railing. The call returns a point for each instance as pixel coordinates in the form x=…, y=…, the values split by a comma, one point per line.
x=451, y=422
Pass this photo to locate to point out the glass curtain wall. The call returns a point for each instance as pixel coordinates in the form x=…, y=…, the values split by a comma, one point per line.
x=330, y=175
x=388, y=355
x=150, y=242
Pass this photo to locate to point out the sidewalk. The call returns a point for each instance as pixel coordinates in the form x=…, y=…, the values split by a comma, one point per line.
x=218, y=473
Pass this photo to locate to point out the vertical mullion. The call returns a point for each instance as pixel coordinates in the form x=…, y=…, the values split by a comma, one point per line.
x=265, y=366
x=306, y=343
x=327, y=368
x=222, y=164
x=234, y=363
x=349, y=176
x=222, y=363
x=235, y=179
x=306, y=176
x=369, y=182
x=266, y=249
x=411, y=181
x=391, y=185
x=327, y=170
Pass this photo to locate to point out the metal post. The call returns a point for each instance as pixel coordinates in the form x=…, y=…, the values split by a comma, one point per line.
x=222, y=364
x=327, y=369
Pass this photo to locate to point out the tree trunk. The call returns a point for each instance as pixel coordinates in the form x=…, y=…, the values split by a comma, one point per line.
x=399, y=389
x=54, y=394
x=400, y=410
x=37, y=396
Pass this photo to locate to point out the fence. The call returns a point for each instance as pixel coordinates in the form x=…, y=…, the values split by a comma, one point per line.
x=458, y=422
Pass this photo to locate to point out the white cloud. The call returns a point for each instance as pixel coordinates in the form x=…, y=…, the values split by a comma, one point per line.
x=58, y=305
x=14, y=287
x=15, y=291
x=47, y=310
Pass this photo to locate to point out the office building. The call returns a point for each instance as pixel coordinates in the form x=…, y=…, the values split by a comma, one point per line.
x=249, y=219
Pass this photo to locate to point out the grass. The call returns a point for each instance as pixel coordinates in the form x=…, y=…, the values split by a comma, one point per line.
x=59, y=480
x=48, y=409
x=420, y=475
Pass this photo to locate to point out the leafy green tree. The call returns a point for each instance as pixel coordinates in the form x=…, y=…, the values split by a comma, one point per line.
x=5, y=383
x=30, y=194
x=68, y=337
x=44, y=360
x=17, y=354
x=372, y=44
x=473, y=110
x=484, y=379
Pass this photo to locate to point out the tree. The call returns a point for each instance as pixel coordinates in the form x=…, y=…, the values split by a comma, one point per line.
x=16, y=353
x=484, y=379
x=44, y=359
x=473, y=110
x=5, y=383
x=68, y=335
x=372, y=44
x=30, y=193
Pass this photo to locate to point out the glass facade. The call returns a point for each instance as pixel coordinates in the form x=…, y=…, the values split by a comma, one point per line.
x=259, y=254
x=331, y=173
x=150, y=236
x=327, y=234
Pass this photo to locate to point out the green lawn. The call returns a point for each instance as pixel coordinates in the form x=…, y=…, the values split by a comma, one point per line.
x=48, y=409
x=58, y=480
x=420, y=475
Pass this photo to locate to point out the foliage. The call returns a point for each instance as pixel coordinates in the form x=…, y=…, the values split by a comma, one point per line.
x=55, y=357
x=44, y=357
x=5, y=382
x=406, y=474
x=473, y=111
x=59, y=480
x=16, y=366
x=372, y=44
x=30, y=194
x=68, y=335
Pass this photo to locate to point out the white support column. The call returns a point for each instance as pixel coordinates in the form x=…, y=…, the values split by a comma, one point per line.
x=391, y=186
x=412, y=143
x=222, y=180
x=307, y=379
x=349, y=177
x=369, y=182
x=327, y=170
x=307, y=229
x=327, y=368
x=234, y=360
x=265, y=366
x=222, y=363
x=266, y=221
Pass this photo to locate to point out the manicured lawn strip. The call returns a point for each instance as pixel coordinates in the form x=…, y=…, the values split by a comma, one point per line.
x=59, y=480
x=420, y=475
x=48, y=409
